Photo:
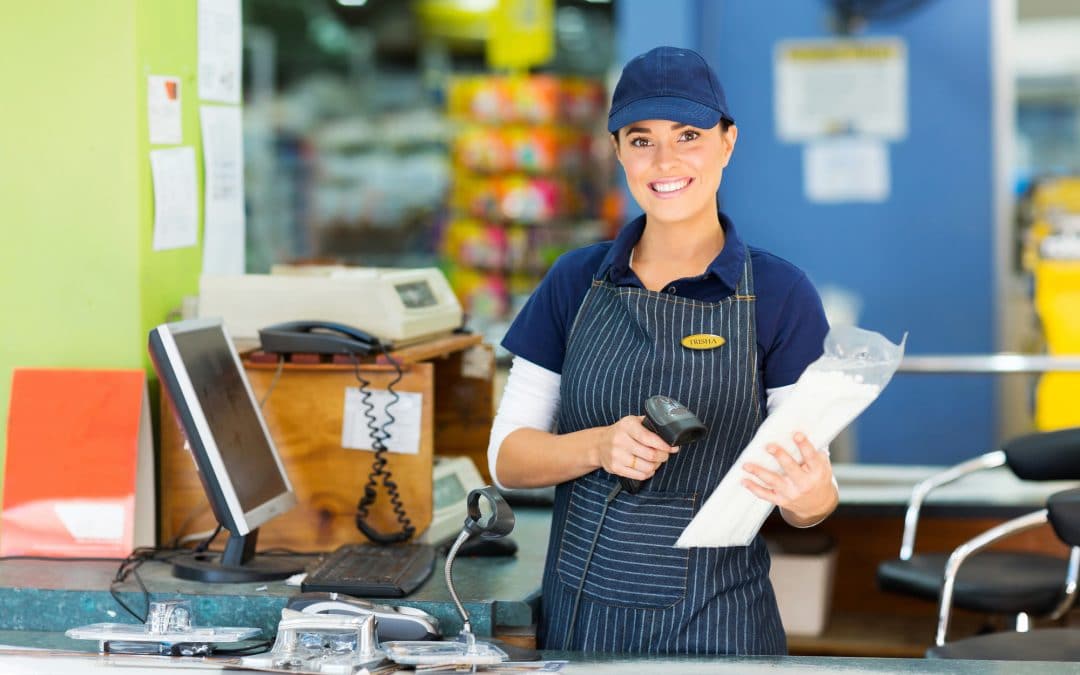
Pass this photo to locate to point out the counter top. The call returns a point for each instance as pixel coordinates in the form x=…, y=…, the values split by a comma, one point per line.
x=53, y=595
x=39, y=662
x=880, y=490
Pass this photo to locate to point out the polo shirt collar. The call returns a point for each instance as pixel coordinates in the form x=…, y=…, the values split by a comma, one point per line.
x=727, y=266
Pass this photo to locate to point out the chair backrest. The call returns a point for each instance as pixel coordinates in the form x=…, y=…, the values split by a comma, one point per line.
x=1046, y=455
x=1064, y=514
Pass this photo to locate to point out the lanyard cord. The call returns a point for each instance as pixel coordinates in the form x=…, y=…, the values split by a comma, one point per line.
x=588, y=559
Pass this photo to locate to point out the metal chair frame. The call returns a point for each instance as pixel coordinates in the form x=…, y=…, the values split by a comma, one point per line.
x=974, y=545
x=921, y=490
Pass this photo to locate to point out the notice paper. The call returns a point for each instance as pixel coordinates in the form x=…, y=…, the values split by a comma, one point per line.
x=223, y=160
x=219, y=50
x=846, y=170
x=163, y=106
x=825, y=87
x=361, y=416
x=176, y=207
x=829, y=395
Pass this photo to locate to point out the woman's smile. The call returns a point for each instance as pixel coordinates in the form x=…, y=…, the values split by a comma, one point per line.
x=670, y=187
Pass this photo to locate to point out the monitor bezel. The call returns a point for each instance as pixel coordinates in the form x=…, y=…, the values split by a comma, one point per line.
x=217, y=482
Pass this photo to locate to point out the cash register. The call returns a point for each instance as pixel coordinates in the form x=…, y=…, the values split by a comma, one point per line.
x=397, y=305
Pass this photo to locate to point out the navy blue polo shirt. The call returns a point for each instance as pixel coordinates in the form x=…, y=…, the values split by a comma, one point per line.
x=791, y=323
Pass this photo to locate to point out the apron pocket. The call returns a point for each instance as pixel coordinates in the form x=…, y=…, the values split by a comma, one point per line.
x=635, y=562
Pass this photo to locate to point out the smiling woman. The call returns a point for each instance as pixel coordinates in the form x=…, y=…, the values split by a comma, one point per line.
x=694, y=314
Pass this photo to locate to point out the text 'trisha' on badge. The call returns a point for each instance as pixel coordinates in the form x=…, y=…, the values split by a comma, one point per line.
x=703, y=341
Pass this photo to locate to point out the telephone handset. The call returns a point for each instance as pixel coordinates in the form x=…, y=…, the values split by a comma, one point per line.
x=318, y=337
x=327, y=337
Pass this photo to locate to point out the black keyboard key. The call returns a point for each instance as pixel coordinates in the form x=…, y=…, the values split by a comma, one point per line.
x=366, y=570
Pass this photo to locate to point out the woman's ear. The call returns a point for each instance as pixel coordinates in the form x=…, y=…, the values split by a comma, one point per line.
x=729, y=137
x=615, y=143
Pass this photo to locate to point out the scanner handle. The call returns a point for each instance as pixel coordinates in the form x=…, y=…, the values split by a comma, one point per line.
x=633, y=485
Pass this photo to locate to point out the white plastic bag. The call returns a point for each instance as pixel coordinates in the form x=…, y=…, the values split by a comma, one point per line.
x=830, y=394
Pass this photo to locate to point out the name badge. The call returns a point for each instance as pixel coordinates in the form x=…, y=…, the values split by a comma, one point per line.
x=703, y=341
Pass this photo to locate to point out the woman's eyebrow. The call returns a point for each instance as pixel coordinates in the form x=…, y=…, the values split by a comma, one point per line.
x=638, y=130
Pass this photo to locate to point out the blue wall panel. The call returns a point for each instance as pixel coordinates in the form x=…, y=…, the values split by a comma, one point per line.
x=920, y=261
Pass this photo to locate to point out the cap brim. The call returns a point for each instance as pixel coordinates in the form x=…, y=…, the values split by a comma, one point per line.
x=674, y=108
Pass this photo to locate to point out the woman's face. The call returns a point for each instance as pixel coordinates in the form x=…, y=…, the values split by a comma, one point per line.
x=673, y=169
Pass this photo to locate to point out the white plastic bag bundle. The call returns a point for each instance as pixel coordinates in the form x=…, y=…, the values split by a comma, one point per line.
x=830, y=394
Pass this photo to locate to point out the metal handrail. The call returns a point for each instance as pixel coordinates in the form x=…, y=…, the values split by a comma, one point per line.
x=983, y=364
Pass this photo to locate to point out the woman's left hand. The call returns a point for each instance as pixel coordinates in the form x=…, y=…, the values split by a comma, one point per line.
x=805, y=492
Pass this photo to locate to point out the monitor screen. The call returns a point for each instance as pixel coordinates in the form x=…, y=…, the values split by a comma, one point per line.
x=238, y=461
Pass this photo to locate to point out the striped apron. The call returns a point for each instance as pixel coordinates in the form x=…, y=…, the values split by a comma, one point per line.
x=613, y=580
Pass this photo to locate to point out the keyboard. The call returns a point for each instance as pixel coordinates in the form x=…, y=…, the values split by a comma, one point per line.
x=366, y=570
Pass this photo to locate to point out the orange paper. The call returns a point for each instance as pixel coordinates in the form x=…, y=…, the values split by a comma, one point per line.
x=78, y=455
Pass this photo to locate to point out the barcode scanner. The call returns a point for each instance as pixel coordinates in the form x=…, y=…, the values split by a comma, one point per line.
x=672, y=422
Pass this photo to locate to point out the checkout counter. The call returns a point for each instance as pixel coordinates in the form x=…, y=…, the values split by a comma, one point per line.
x=39, y=600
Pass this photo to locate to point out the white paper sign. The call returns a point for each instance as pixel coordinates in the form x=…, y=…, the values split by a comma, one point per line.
x=846, y=170
x=219, y=50
x=163, y=110
x=404, y=430
x=92, y=521
x=223, y=161
x=825, y=87
x=176, y=208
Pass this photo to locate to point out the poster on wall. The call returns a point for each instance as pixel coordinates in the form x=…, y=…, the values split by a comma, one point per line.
x=219, y=50
x=176, y=208
x=846, y=170
x=163, y=110
x=223, y=162
x=840, y=87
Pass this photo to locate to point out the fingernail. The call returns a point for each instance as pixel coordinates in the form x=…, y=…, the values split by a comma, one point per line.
x=800, y=437
x=770, y=449
x=675, y=449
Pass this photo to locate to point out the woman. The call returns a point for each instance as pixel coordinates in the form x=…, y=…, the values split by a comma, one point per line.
x=602, y=333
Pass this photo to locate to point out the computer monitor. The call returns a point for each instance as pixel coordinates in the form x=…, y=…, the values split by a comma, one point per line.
x=237, y=461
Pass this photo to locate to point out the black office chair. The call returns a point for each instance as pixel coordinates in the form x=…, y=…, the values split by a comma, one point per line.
x=1018, y=584
x=1046, y=644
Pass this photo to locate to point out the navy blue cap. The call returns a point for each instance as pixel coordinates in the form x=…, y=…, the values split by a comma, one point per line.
x=668, y=83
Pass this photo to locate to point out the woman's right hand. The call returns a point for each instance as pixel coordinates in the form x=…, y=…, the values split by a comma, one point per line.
x=628, y=449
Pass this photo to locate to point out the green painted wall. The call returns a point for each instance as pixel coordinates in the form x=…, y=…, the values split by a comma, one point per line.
x=166, y=44
x=79, y=283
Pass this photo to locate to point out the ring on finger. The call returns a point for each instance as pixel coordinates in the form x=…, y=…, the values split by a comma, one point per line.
x=633, y=461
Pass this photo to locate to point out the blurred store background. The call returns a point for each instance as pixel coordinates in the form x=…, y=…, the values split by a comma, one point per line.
x=391, y=133
x=469, y=135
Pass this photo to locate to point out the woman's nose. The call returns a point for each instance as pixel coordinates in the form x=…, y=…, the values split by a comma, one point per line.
x=665, y=155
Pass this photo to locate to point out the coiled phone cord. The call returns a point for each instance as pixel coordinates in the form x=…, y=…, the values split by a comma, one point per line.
x=379, y=435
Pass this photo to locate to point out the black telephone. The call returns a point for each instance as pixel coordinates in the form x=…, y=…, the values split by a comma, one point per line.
x=318, y=337
x=327, y=337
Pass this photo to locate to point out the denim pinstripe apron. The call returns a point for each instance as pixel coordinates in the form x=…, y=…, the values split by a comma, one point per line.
x=613, y=581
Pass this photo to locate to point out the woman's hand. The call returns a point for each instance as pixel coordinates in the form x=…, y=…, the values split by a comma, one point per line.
x=804, y=491
x=627, y=448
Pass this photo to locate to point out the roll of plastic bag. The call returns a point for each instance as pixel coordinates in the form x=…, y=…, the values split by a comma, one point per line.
x=829, y=395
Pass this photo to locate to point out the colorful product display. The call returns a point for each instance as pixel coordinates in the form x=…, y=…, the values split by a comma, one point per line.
x=1051, y=254
x=525, y=187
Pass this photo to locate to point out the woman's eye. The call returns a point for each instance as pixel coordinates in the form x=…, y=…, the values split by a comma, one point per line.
x=689, y=135
x=639, y=142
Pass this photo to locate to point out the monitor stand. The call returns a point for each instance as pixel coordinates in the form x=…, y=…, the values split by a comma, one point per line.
x=237, y=564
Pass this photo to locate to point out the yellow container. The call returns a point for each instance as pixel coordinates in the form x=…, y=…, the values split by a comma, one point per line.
x=1057, y=301
x=1059, y=194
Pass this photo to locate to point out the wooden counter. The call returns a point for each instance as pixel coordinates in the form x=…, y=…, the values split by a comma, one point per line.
x=305, y=413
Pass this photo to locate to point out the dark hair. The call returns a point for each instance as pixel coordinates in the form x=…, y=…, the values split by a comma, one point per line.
x=725, y=124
